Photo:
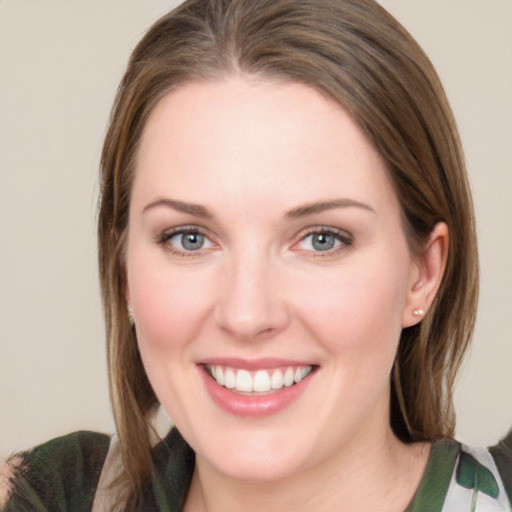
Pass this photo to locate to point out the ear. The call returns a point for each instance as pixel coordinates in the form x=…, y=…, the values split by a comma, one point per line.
x=131, y=318
x=426, y=275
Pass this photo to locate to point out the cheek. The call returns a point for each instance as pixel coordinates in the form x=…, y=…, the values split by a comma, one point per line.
x=169, y=314
x=169, y=306
x=357, y=312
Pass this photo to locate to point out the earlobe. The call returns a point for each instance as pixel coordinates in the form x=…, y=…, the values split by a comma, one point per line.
x=129, y=306
x=427, y=275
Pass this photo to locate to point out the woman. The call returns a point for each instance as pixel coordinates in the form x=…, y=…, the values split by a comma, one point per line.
x=288, y=266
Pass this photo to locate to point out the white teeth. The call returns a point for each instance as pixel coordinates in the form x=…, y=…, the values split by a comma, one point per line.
x=288, y=377
x=306, y=371
x=219, y=375
x=301, y=373
x=276, y=382
x=261, y=381
x=243, y=381
x=229, y=379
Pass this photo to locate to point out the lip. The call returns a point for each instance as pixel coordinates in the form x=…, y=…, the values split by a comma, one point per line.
x=254, y=364
x=254, y=406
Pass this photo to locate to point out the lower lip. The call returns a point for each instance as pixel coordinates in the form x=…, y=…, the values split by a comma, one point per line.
x=253, y=406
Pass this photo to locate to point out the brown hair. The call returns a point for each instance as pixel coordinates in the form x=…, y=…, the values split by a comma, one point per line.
x=356, y=53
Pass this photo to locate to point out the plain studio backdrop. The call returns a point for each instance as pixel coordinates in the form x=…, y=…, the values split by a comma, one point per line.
x=60, y=64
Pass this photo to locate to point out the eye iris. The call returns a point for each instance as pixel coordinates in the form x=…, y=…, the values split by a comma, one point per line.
x=323, y=241
x=192, y=241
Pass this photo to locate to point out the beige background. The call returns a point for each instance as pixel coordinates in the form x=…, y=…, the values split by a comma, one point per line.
x=60, y=62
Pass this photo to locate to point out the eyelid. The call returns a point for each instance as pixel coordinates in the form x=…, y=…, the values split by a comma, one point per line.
x=344, y=237
x=163, y=238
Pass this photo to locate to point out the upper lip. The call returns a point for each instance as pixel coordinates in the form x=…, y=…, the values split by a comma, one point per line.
x=254, y=364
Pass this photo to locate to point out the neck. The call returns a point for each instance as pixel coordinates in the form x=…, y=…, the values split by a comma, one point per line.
x=382, y=474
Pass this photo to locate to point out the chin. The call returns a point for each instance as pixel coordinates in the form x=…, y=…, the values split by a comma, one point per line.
x=255, y=456
x=253, y=467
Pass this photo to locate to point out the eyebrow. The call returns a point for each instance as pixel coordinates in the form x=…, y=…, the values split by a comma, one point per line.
x=313, y=208
x=198, y=210
x=192, y=209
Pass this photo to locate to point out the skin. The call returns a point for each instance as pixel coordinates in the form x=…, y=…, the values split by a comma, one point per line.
x=253, y=153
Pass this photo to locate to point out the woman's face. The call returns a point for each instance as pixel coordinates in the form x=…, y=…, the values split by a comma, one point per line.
x=265, y=247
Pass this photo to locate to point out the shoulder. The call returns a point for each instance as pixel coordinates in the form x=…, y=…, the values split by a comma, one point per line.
x=61, y=474
x=173, y=463
x=460, y=478
x=502, y=456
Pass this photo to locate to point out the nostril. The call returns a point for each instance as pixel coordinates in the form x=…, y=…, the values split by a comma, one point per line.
x=249, y=304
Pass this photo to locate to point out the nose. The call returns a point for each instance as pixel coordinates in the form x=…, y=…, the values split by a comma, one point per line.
x=251, y=303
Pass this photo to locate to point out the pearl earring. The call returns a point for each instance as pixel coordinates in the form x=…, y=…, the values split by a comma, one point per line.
x=418, y=313
x=130, y=315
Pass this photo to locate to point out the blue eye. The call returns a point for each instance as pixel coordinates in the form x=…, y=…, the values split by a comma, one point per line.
x=185, y=241
x=189, y=241
x=324, y=241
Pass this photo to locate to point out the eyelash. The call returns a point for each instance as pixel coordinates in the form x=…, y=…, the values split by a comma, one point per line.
x=344, y=239
x=164, y=239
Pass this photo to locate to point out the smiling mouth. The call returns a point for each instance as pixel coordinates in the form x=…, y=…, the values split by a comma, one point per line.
x=260, y=381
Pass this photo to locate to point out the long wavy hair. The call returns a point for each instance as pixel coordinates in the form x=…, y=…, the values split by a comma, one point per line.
x=356, y=53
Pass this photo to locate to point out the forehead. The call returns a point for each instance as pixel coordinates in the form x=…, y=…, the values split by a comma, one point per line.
x=253, y=139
